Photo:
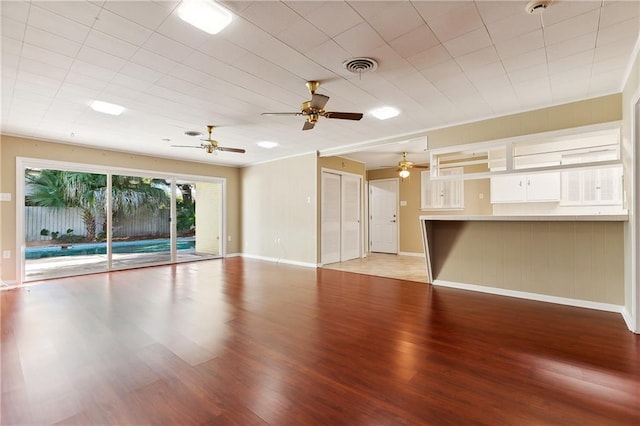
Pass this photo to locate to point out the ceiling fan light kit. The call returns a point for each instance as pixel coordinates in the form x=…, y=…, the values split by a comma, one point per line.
x=404, y=166
x=313, y=109
x=211, y=146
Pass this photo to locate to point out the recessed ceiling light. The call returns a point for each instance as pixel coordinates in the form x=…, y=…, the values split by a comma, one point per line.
x=385, y=112
x=267, y=144
x=205, y=15
x=107, y=108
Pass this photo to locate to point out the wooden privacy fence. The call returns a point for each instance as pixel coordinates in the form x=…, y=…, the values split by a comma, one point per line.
x=59, y=220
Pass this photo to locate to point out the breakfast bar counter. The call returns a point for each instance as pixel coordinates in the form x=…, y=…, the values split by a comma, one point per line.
x=570, y=259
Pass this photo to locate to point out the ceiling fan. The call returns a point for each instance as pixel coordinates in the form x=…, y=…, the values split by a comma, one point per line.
x=314, y=109
x=211, y=146
x=405, y=165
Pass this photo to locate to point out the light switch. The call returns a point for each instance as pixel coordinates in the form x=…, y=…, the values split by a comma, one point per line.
x=5, y=196
x=403, y=203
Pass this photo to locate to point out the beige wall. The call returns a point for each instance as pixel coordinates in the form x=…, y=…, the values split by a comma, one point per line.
x=12, y=147
x=632, y=228
x=279, y=209
x=409, y=224
x=583, y=113
x=342, y=165
x=566, y=116
x=576, y=260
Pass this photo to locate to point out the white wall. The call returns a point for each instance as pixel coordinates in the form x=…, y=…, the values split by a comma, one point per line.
x=629, y=147
x=279, y=212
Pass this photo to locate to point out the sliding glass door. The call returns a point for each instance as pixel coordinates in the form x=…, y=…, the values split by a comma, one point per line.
x=198, y=219
x=63, y=210
x=78, y=221
x=140, y=220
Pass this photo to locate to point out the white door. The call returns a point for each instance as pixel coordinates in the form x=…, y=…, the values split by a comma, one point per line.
x=330, y=214
x=383, y=216
x=350, y=217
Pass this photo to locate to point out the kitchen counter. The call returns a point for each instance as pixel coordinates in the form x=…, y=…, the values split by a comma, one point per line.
x=537, y=218
x=569, y=259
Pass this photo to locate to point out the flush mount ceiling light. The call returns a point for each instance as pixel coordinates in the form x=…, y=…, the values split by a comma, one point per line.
x=267, y=144
x=385, y=112
x=205, y=15
x=106, y=107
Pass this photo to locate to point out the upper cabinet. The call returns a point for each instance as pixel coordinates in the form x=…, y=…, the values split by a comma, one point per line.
x=593, y=186
x=442, y=194
x=576, y=171
x=526, y=188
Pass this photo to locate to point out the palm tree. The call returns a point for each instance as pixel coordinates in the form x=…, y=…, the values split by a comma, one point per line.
x=62, y=189
x=87, y=191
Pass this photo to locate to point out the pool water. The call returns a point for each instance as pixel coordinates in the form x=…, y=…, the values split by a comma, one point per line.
x=140, y=246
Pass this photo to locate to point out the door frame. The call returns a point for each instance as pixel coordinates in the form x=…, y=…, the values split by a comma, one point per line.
x=397, y=189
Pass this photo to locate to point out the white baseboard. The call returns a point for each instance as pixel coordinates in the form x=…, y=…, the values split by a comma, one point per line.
x=278, y=260
x=628, y=320
x=233, y=255
x=534, y=296
x=410, y=253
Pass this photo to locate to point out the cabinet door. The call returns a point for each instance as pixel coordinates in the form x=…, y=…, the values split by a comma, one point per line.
x=543, y=187
x=442, y=194
x=610, y=185
x=508, y=189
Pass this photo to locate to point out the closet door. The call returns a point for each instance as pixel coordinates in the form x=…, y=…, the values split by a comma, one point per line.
x=330, y=214
x=350, y=217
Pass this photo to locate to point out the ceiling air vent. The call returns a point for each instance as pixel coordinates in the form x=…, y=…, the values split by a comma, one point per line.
x=360, y=65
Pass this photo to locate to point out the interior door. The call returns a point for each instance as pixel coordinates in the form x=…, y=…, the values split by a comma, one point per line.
x=383, y=216
x=330, y=214
x=350, y=217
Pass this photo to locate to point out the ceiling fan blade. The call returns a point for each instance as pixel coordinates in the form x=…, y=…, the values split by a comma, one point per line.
x=308, y=126
x=187, y=146
x=415, y=166
x=238, y=150
x=318, y=101
x=282, y=113
x=343, y=115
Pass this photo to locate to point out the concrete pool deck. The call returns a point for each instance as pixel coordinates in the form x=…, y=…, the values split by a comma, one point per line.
x=62, y=266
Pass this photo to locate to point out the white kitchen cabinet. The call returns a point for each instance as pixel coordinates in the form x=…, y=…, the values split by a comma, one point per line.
x=536, y=187
x=593, y=186
x=442, y=194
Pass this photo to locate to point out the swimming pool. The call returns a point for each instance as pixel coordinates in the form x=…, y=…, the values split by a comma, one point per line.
x=139, y=246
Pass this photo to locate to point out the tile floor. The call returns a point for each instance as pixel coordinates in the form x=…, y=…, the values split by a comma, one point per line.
x=411, y=268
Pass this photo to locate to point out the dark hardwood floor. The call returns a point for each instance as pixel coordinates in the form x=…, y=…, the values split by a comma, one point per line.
x=246, y=342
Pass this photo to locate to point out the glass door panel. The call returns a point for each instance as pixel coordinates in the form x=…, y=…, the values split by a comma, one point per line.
x=199, y=219
x=63, y=212
x=140, y=221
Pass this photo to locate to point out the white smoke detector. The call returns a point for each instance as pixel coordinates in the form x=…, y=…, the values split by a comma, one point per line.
x=537, y=6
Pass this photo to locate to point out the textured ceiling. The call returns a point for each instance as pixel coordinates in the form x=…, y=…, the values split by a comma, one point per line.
x=439, y=63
